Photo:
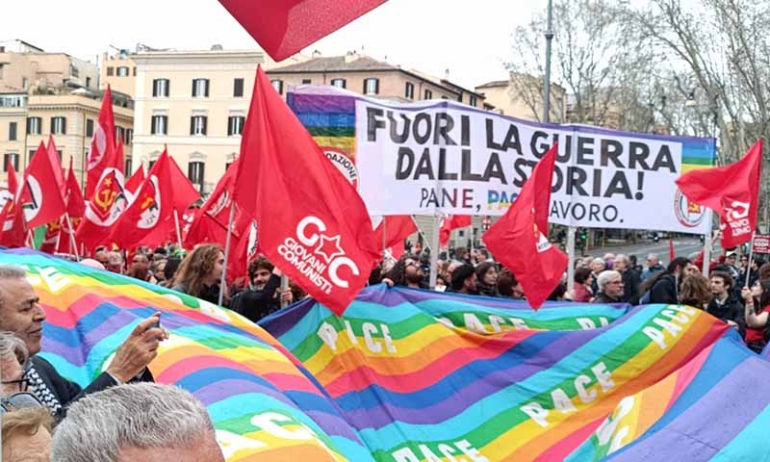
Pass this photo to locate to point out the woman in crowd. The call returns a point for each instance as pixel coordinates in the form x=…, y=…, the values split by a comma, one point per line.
x=695, y=291
x=486, y=274
x=200, y=272
x=584, y=281
x=508, y=286
x=757, y=301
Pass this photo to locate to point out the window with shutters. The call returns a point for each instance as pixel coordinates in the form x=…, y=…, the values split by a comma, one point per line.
x=89, y=128
x=339, y=83
x=122, y=71
x=371, y=86
x=473, y=101
x=200, y=88
x=34, y=125
x=159, y=125
x=11, y=158
x=428, y=94
x=110, y=71
x=235, y=125
x=277, y=85
x=306, y=81
x=120, y=134
x=195, y=174
x=12, y=129
x=160, y=88
x=58, y=126
x=129, y=137
x=238, y=88
x=198, y=125
x=129, y=166
x=409, y=90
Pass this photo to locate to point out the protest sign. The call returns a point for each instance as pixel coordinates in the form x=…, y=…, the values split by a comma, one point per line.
x=762, y=243
x=444, y=157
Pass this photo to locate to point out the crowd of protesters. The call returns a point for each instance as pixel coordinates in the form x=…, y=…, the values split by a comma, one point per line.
x=45, y=415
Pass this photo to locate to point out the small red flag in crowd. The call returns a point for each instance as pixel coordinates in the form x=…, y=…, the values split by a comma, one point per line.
x=13, y=232
x=41, y=198
x=519, y=239
x=103, y=153
x=732, y=192
x=136, y=180
x=393, y=231
x=322, y=238
x=451, y=223
x=284, y=27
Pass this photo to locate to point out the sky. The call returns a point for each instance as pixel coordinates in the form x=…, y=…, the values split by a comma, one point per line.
x=472, y=39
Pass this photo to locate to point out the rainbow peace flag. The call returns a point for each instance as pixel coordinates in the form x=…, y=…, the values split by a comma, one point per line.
x=264, y=404
x=437, y=377
x=417, y=376
x=329, y=114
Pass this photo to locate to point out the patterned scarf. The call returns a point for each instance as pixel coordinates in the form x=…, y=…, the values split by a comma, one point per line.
x=38, y=387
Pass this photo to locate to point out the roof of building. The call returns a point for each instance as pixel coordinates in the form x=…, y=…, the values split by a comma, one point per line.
x=494, y=83
x=337, y=64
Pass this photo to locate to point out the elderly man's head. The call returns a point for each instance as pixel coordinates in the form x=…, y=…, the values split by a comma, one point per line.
x=114, y=262
x=611, y=284
x=20, y=310
x=598, y=265
x=144, y=421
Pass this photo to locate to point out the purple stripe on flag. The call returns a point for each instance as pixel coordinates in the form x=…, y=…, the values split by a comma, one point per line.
x=335, y=104
x=712, y=422
x=223, y=389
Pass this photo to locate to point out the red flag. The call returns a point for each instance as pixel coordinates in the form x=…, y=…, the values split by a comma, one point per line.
x=211, y=220
x=450, y=223
x=14, y=229
x=732, y=192
x=108, y=202
x=50, y=242
x=184, y=192
x=58, y=170
x=76, y=206
x=103, y=153
x=284, y=27
x=397, y=229
x=133, y=183
x=311, y=222
x=41, y=197
x=149, y=217
x=518, y=242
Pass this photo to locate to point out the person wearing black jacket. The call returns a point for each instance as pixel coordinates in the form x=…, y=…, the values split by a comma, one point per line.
x=22, y=315
x=664, y=287
x=725, y=305
x=261, y=297
x=631, y=279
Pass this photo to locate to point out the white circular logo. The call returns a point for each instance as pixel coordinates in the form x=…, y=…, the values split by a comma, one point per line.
x=150, y=205
x=32, y=207
x=688, y=213
x=344, y=164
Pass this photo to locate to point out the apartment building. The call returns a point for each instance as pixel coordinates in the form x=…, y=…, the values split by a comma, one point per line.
x=195, y=103
x=44, y=94
x=119, y=72
x=521, y=96
x=363, y=74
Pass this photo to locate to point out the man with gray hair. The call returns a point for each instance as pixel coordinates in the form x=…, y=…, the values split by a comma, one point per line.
x=631, y=279
x=653, y=267
x=610, y=284
x=22, y=314
x=138, y=422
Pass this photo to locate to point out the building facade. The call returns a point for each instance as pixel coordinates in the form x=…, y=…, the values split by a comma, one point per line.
x=119, y=72
x=195, y=103
x=521, y=96
x=368, y=76
x=44, y=94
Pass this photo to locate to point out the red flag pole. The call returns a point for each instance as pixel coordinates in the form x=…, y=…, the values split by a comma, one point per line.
x=223, y=281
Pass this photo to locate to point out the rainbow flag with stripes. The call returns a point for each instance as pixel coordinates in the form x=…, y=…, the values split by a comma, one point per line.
x=330, y=119
x=436, y=377
x=264, y=404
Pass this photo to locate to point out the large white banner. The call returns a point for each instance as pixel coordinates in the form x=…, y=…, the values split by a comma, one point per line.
x=445, y=157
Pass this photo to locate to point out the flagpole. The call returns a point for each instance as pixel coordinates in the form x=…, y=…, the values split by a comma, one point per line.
x=751, y=257
x=571, y=259
x=434, y=251
x=73, y=244
x=707, y=244
x=178, y=229
x=384, y=237
x=223, y=281
x=284, y=286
